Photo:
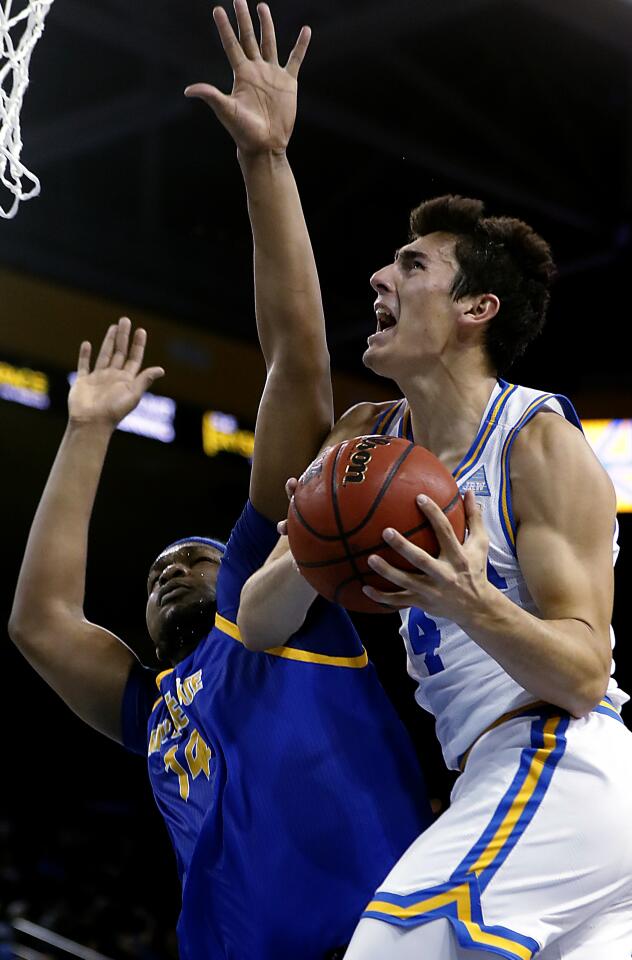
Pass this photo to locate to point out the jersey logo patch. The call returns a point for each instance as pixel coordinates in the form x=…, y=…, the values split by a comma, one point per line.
x=477, y=483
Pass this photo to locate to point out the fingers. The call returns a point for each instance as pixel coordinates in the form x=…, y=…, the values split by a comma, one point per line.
x=83, y=363
x=268, y=36
x=297, y=55
x=136, y=353
x=230, y=43
x=282, y=528
x=107, y=348
x=401, y=578
x=290, y=487
x=446, y=537
x=121, y=343
x=247, y=36
x=397, y=600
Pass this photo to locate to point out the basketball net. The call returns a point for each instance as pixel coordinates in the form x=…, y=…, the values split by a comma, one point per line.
x=19, y=32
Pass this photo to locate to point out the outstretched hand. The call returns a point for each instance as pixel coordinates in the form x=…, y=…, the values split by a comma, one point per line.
x=115, y=386
x=260, y=111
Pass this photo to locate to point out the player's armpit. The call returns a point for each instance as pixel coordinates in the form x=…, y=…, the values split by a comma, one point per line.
x=85, y=664
x=564, y=506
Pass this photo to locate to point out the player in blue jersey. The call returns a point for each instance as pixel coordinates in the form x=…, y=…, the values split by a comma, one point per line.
x=286, y=781
x=507, y=635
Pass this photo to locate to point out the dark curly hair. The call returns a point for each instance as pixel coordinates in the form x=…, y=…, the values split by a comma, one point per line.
x=498, y=255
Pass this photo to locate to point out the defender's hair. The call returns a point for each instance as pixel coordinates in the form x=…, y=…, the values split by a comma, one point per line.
x=499, y=255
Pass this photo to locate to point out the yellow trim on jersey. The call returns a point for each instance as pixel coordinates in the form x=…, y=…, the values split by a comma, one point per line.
x=461, y=896
x=163, y=674
x=606, y=705
x=504, y=462
x=159, y=700
x=527, y=790
x=491, y=423
x=290, y=653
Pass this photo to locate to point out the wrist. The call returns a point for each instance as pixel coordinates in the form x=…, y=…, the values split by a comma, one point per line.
x=95, y=428
x=485, y=611
x=269, y=159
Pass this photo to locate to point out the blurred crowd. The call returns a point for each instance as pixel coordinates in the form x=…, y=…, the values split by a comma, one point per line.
x=87, y=882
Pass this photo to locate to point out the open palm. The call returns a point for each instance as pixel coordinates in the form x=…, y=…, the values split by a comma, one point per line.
x=260, y=111
x=116, y=384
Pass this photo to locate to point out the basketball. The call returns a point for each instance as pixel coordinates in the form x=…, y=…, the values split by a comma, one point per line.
x=346, y=498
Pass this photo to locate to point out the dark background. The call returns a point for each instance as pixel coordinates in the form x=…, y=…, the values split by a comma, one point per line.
x=527, y=105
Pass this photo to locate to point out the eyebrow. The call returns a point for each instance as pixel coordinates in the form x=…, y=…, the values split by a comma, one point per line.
x=161, y=562
x=408, y=255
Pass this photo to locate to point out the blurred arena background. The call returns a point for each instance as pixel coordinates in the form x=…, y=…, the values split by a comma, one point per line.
x=525, y=104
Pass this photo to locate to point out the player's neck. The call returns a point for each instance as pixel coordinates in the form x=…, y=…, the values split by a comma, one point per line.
x=447, y=410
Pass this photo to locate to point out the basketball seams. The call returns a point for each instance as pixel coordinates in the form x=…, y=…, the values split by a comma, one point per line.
x=373, y=549
x=383, y=489
x=376, y=502
x=336, y=508
x=334, y=503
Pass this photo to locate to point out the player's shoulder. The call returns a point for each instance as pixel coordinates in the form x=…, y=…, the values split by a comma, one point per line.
x=360, y=419
x=549, y=437
x=552, y=454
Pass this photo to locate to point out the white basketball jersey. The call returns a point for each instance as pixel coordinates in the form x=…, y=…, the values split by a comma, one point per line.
x=458, y=682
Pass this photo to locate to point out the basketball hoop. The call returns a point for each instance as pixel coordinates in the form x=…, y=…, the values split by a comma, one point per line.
x=19, y=32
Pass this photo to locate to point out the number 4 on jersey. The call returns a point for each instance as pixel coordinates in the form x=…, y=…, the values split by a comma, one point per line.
x=425, y=638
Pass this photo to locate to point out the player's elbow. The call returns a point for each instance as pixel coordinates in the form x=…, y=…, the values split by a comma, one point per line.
x=588, y=693
x=252, y=636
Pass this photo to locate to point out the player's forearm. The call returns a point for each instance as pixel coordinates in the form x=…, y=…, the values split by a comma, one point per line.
x=287, y=293
x=273, y=605
x=52, y=576
x=558, y=661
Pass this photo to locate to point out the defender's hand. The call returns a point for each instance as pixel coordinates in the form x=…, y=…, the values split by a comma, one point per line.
x=454, y=584
x=260, y=112
x=115, y=386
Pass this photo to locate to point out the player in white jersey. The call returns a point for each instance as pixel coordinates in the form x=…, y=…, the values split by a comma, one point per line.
x=508, y=635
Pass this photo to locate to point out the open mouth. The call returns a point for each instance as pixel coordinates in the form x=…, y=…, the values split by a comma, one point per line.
x=385, y=319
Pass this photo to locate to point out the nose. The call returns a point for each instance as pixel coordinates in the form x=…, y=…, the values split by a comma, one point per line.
x=382, y=281
x=172, y=570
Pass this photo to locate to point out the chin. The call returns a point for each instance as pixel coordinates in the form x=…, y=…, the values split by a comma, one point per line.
x=377, y=364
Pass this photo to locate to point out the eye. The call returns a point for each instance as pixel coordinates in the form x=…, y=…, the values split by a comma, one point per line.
x=418, y=265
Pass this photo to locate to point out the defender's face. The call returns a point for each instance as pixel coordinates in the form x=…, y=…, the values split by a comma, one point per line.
x=415, y=310
x=181, y=590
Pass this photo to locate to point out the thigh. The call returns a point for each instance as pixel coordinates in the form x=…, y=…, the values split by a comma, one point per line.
x=375, y=940
x=603, y=937
x=536, y=843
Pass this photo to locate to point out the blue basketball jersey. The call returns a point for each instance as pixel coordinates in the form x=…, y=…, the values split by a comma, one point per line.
x=288, y=784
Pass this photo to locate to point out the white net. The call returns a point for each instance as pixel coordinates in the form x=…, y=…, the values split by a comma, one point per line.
x=21, y=26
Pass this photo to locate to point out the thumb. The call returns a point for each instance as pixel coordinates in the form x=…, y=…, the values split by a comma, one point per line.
x=473, y=513
x=213, y=97
x=149, y=376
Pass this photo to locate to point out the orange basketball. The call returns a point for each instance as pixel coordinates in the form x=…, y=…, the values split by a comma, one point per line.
x=346, y=498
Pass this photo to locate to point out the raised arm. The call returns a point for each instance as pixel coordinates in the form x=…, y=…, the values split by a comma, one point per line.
x=275, y=600
x=296, y=409
x=84, y=663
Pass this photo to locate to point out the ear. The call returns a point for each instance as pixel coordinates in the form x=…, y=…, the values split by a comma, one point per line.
x=481, y=309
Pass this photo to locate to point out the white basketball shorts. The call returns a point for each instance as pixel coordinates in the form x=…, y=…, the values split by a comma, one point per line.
x=534, y=855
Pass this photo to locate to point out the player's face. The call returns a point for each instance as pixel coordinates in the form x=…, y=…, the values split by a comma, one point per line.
x=181, y=598
x=416, y=312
